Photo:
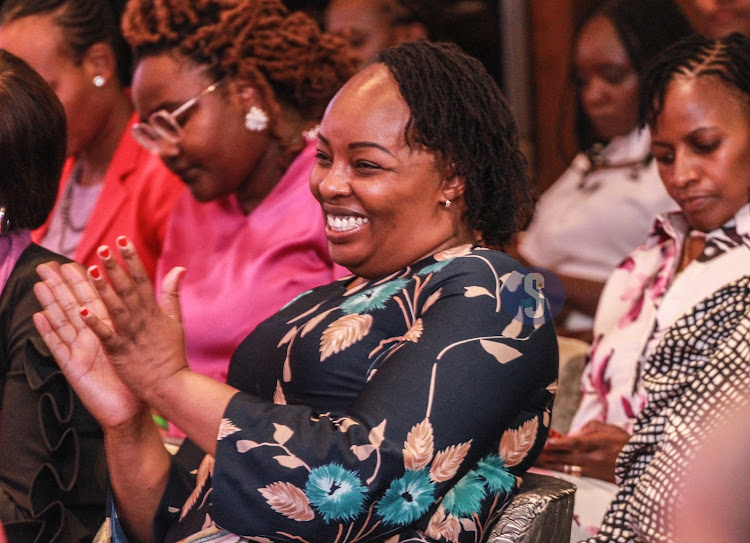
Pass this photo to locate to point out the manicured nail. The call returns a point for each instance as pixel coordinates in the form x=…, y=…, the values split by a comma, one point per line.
x=94, y=272
x=103, y=252
x=84, y=312
x=122, y=241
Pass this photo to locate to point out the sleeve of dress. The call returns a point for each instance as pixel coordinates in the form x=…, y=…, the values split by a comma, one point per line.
x=456, y=409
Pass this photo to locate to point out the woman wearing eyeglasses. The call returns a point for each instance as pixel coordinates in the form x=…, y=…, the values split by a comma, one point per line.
x=109, y=184
x=229, y=95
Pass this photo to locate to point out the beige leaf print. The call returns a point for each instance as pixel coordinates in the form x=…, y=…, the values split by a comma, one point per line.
x=342, y=333
x=546, y=418
x=552, y=387
x=289, y=461
x=312, y=323
x=473, y=292
x=362, y=452
x=431, y=299
x=419, y=446
x=287, y=337
x=443, y=525
x=282, y=433
x=515, y=444
x=226, y=428
x=278, y=395
x=503, y=353
x=447, y=462
x=244, y=445
x=514, y=329
x=287, y=499
x=415, y=332
x=469, y=525
x=344, y=423
x=205, y=470
x=377, y=434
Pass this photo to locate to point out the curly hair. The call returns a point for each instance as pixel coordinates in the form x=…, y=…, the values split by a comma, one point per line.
x=458, y=111
x=32, y=143
x=284, y=55
x=84, y=23
x=645, y=28
x=696, y=56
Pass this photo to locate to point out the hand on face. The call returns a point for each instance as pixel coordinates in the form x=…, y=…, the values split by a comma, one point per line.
x=112, y=337
x=594, y=448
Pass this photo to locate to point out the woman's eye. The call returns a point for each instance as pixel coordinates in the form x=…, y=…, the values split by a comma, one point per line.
x=614, y=76
x=366, y=165
x=664, y=158
x=705, y=147
x=321, y=157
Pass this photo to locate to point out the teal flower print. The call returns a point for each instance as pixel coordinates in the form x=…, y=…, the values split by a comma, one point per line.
x=297, y=297
x=373, y=298
x=407, y=498
x=335, y=492
x=465, y=498
x=434, y=268
x=496, y=476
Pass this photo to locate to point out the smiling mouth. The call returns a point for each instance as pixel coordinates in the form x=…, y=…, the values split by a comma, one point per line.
x=342, y=224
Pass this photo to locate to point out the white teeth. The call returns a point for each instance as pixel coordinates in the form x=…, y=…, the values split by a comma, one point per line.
x=341, y=224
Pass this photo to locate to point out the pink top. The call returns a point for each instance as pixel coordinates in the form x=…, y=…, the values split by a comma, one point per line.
x=11, y=246
x=243, y=268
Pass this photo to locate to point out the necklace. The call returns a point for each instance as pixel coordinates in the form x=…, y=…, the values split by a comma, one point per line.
x=67, y=203
x=594, y=162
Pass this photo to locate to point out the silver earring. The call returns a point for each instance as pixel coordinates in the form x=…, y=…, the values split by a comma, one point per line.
x=256, y=120
x=99, y=81
x=4, y=221
x=448, y=204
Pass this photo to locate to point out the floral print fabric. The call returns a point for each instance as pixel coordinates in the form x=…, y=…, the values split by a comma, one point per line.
x=642, y=299
x=401, y=409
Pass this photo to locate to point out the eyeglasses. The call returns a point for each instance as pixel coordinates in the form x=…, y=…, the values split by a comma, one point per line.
x=162, y=127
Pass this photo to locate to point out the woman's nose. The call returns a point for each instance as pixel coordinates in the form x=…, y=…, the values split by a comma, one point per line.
x=334, y=184
x=685, y=169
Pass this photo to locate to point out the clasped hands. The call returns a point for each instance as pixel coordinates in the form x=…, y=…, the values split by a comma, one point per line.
x=115, y=344
x=593, y=448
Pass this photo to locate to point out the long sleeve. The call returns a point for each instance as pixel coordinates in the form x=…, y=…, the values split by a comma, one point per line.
x=407, y=407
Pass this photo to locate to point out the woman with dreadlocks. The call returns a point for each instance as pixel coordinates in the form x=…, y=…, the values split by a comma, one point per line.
x=229, y=94
x=400, y=402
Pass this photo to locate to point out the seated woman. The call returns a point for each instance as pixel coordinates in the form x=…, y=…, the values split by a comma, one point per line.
x=52, y=463
x=603, y=205
x=401, y=402
x=664, y=350
x=109, y=185
x=229, y=95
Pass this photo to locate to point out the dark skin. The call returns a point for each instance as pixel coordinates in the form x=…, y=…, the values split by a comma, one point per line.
x=594, y=448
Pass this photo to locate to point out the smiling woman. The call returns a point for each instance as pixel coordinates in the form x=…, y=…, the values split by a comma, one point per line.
x=402, y=402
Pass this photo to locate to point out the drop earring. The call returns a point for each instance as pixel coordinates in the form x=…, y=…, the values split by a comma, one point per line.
x=99, y=81
x=4, y=221
x=447, y=204
x=256, y=120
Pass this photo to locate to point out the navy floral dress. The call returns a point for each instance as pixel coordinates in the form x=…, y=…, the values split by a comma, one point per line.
x=402, y=409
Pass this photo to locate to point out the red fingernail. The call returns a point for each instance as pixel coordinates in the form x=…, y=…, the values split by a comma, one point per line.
x=94, y=272
x=122, y=241
x=84, y=312
x=104, y=252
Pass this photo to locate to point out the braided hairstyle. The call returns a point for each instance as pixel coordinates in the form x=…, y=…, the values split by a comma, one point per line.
x=84, y=23
x=727, y=58
x=458, y=111
x=284, y=55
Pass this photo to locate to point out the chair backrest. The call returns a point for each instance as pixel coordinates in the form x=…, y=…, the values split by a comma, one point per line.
x=573, y=358
x=541, y=512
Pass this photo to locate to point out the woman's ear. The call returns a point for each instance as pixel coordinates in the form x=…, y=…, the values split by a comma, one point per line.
x=100, y=64
x=453, y=185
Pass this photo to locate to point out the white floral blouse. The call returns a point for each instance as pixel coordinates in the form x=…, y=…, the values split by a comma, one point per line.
x=402, y=409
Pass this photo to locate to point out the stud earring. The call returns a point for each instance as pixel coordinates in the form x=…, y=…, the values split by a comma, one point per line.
x=99, y=81
x=4, y=221
x=448, y=204
x=256, y=120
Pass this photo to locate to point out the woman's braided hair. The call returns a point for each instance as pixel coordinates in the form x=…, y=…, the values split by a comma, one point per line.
x=284, y=55
x=727, y=58
x=458, y=111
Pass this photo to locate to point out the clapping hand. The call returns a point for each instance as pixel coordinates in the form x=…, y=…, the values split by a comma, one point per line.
x=113, y=342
